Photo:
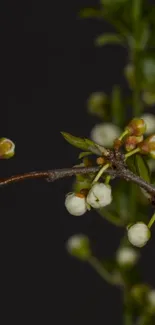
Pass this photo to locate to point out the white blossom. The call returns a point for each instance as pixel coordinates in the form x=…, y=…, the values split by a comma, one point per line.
x=127, y=256
x=104, y=134
x=151, y=298
x=79, y=246
x=99, y=195
x=138, y=234
x=75, y=205
x=149, y=120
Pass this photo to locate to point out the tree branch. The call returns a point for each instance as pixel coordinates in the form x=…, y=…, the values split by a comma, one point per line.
x=53, y=175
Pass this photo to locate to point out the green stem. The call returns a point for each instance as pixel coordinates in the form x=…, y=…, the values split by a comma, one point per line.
x=101, y=171
x=107, y=179
x=127, y=319
x=152, y=220
x=99, y=268
x=127, y=155
x=123, y=135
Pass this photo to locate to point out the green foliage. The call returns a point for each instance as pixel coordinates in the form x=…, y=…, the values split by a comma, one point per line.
x=134, y=28
x=83, y=143
x=105, y=39
x=91, y=13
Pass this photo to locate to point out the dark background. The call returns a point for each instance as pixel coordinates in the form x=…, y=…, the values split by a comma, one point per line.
x=49, y=67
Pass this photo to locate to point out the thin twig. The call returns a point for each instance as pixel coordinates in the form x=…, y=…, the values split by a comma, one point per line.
x=53, y=175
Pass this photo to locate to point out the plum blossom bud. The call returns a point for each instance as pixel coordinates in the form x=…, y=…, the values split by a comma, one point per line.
x=104, y=134
x=148, y=98
x=75, y=204
x=148, y=146
x=138, y=234
x=132, y=141
x=149, y=120
x=99, y=195
x=97, y=103
x=127, y=256
x=139, y=293
x=136, y=127
x=151, y=299
x=7, y=148
x=79, y=246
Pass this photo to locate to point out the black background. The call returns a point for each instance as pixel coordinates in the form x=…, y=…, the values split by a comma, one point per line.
x=49, y=67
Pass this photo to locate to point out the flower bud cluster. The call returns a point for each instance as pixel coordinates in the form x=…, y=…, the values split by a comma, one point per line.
x=97, y=197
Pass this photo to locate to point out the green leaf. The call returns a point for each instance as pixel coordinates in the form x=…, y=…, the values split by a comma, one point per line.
x=105, y=39
x=84, y=154
x=131, y=164
x=84, y=144
x=91, y=13
x=148, y=72
x=113, y=2
x=142, y=168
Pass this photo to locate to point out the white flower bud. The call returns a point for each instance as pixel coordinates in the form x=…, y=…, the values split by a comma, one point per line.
x=151, y=298
x=75, y=204
x=149, y=120
x=99, y=195
x=138, y=234
x=79, y=246
x=104, y=134
x=127, y=256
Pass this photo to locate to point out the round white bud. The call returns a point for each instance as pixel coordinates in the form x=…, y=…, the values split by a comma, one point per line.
x=104, y=134
x=151, y=298
x=138, y=234
x=149, y=120
x=75, y=205
x=79, y=246
x=127, y=256
x=99, y=195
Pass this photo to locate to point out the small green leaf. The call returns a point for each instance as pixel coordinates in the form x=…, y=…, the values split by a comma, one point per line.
x=112, y=2
x=84, y=144
x=142, y=168
x=90, y=13
x=84, y=154
x=138, y=165
x=108, y=38
x=131, y=164
x=80, y=143
x=148, y=72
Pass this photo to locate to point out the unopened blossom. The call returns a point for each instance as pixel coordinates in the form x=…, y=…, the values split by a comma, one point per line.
x=136, y=127
x=104, y=134
x=7, y=148
x=99, y=195
x=127, y=256
x=138, y=234
x=149, y=120
x=151, y=298
x=79, y=246
x=147, y=147
x=75, y=204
